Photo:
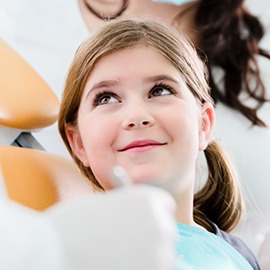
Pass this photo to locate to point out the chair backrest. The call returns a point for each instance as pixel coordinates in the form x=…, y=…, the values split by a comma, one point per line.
x=26, y=101
x=39, y=179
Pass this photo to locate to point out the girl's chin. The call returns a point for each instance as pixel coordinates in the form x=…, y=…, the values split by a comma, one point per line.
x=156, y=180
x=147, y=178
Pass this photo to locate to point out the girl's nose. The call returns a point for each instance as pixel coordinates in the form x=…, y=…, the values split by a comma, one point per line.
x=139, y=118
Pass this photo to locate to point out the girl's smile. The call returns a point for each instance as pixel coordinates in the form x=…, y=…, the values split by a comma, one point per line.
x=141, y=146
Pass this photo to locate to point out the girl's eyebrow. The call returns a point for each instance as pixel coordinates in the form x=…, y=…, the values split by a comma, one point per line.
x=162, y=77
x=106, y=83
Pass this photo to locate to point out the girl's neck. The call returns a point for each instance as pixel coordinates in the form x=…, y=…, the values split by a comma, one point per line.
x=184, y=206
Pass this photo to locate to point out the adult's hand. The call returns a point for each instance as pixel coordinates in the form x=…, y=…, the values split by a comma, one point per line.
x=128, y=228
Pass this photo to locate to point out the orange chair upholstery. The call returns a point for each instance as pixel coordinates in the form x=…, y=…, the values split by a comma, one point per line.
x=39, y=179
x=26, y=101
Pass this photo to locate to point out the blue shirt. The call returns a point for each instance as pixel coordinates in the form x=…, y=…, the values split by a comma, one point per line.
x=199, y=249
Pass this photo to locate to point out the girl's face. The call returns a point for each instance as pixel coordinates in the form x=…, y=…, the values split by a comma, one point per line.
x=137, y=112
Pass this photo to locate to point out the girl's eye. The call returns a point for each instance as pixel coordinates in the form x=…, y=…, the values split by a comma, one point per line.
x=161, y=90
x=104, y=98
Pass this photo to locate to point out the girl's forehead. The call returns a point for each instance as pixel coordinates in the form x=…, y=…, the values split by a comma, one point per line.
x=137, y=53
x=140, y=59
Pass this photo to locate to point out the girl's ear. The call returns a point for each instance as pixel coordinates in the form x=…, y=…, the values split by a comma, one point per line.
x=207, y=124
x=75, y=142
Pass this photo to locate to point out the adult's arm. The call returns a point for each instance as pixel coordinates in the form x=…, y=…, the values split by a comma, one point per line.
x=129, y=228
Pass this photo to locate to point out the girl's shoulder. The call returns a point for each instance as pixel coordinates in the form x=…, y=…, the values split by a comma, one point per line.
x=239, y=245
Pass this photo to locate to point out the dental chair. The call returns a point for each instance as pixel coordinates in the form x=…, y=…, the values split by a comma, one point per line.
x=39, y=179
x=27, y=103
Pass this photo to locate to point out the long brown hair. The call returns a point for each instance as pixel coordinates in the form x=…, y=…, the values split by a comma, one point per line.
x=220, y=199
x=229, y=36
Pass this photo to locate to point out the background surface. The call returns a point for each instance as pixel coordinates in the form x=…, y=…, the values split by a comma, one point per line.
x=47, y=33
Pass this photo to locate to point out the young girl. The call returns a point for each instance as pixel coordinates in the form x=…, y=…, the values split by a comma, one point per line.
x=136, y=96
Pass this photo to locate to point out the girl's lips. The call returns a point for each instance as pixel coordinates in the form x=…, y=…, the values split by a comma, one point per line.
x=147, y=144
